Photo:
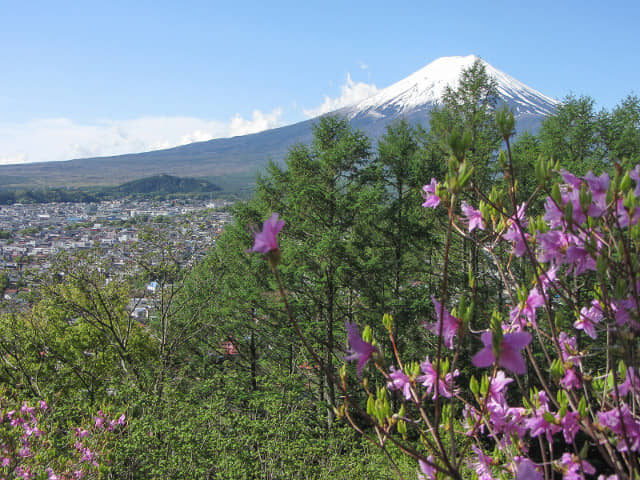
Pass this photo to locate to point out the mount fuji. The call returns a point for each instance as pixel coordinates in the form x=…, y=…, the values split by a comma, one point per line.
x=412, y=99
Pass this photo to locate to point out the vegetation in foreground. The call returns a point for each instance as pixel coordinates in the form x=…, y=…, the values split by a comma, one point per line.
x=218, y=385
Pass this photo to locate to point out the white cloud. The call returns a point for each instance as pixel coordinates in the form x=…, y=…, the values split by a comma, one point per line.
x=10, y=160
x=259, y=122
x=62, y=139
x=351, y=92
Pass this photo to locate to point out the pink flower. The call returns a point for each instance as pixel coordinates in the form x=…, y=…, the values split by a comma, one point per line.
x=631, y=383
x=498, y=386
x=427, y=469
x=570, y=178
x=431, y=199
x=450, y=324
x=538, y=424
x=515, y=233
x=570, y=380
x=570, y=426
x=360, y=350
x=400, y=381
x=99, y=422
x=573, y=467
x=483, y=466
x=51, y=475
x=509, y=355
x=265, y=241
x=528, y=310
x=474, y=217
x=622, y=422
x=552, y=246
x=446, y=387
x=588, y=319
x=527, y=471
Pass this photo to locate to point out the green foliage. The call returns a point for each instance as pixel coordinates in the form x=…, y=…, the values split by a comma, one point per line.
x=572, y=136
x=166, y=184
x=216, y=382
x=223, y=429
x=621, y=130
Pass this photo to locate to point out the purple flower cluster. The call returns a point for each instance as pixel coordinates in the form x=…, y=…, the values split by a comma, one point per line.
x=360, y=350
x=581, y=255
x=26, y=433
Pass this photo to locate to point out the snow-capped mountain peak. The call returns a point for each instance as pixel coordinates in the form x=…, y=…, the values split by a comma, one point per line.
x=424, y=89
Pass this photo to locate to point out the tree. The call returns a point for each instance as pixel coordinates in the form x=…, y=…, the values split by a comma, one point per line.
x=323, y=196
x=392, y=279
x=572, y=136
x=465, y=127
x=469, y=108
x=621, y=130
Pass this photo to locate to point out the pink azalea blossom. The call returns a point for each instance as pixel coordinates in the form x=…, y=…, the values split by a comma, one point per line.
x=552, y=213
x=527, y=471
x=579, y=259
x=589, y=318
x=571, y=381
x=528, y=310
x=483, y=466
x=427, y=471
x=537, y=424
x=570, y=426
x=519, y=238
x=548, y=278
x=623, y=423
x=99, y=422
x=474, y=217
x=574, y=468
x=450, y=324
x=552, y=246
x=431, y=199
x=446, y=386
x=265, y=241
x=360, y=350
x=498, y=386
x=631, y=383
x=510, y=356
x=568, y=347
x=400, y=381
x=570, y=178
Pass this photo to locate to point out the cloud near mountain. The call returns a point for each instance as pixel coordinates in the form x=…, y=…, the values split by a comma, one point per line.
x=54, y=139
x=350, y=93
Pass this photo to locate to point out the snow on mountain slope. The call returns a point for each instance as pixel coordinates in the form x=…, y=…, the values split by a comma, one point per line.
x=424, y=89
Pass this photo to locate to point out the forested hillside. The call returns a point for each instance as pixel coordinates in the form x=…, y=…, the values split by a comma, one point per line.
x=226, y=380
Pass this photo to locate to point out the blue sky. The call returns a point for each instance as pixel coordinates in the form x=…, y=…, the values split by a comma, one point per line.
x=97, y=78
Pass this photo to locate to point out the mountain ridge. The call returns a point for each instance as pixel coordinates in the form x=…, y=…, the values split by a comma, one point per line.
x=412, y=99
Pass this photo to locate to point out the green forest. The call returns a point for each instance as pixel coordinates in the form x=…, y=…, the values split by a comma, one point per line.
x=226, y=380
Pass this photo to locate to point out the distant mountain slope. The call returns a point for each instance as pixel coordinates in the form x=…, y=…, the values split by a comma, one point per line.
x=412, y=98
